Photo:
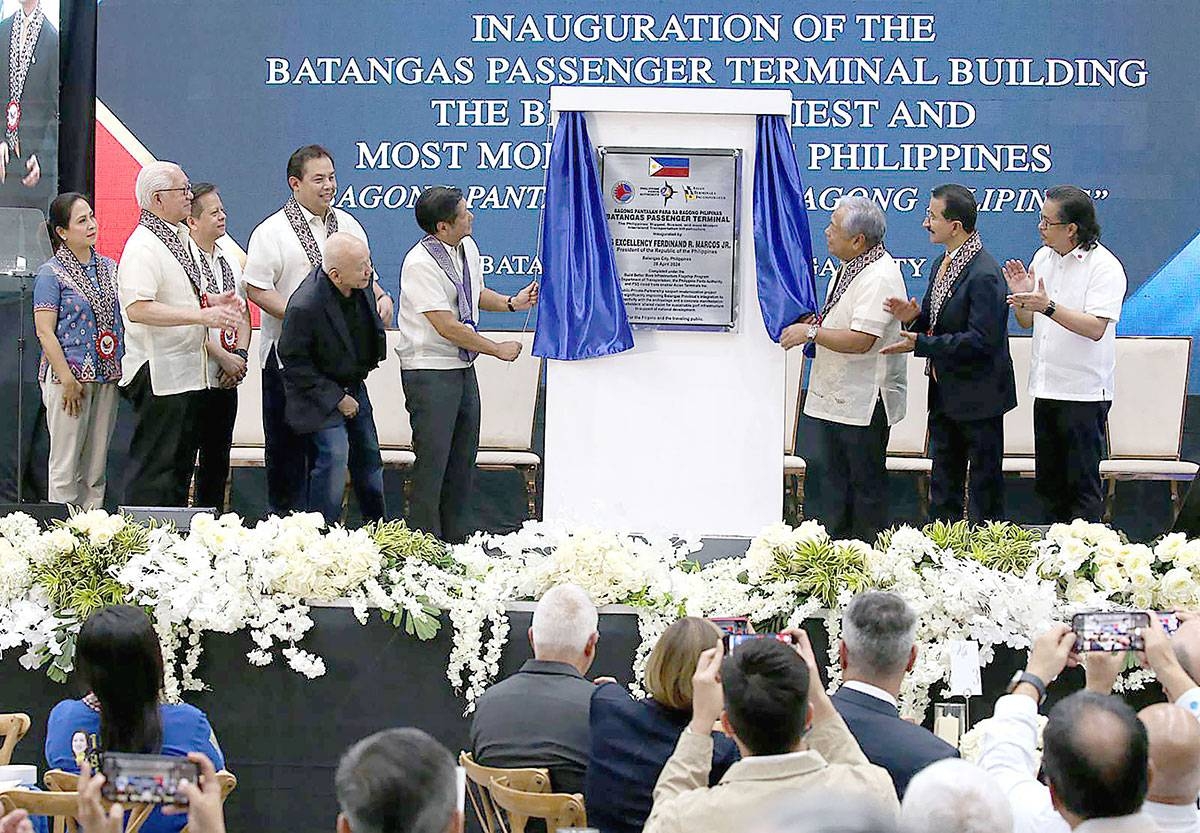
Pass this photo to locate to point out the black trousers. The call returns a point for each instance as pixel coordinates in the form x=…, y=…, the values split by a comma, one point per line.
x=216, y=413
x=1068, y=444
x=162, y=451
x=284, y=451
x=953, y=444
x=846, y=483
x=443, y=408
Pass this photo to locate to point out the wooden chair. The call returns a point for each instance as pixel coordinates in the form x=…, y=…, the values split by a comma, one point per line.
x=12, y=728
x=63, y=807
x=479, y=783
x=557, y=809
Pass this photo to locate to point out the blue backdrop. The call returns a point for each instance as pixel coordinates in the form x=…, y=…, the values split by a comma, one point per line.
x=408, y=93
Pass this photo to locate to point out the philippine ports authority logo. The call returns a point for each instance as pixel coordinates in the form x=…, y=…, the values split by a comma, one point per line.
x=622, y=192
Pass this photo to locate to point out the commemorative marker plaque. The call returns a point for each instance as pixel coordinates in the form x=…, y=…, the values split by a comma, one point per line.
x=673, y=216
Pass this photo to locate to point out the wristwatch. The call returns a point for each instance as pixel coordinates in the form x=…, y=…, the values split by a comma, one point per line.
x=1023, y=676
x=812, y=333
x=508, y=301
x=243, y=352
x=1049, y=310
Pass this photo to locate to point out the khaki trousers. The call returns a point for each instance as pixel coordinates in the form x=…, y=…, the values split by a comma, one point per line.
x=79, y=445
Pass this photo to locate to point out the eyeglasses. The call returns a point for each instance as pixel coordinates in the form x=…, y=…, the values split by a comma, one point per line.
x=187, y=187
x=1044, y=223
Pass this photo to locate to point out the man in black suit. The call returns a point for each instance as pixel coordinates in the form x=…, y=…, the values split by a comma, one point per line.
x=332, y=338
x=29, y=90
x=962, y=329
x=877, y=650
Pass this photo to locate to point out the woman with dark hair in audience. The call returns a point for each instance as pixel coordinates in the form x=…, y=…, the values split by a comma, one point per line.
x=77, y=318
x=631, y=740
x=119, y=660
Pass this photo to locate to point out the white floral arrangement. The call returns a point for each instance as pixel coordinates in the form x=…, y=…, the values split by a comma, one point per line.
x=994, y=584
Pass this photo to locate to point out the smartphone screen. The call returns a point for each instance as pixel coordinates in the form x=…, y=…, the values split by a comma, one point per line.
x=731, y=624
x=146, y=779
x=1169, y=620
x=1115, y=630
x=732, y=640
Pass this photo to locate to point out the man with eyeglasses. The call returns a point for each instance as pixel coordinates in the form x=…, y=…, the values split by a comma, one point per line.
x=1071, y=296
x=962, y=329
x=283, y=250
x=167, y=311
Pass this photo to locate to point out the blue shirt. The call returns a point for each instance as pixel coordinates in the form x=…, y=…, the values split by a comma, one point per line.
x=76, y=329
x=73, y=735
x=631, y=741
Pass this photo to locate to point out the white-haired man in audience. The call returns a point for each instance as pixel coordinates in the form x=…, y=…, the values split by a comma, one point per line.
x=954, y=796
x=1097, y=752
x=538, y=717
x=878, y=648
x=855, y=394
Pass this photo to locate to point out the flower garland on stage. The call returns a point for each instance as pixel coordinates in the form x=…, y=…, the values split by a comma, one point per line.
x=994, y=584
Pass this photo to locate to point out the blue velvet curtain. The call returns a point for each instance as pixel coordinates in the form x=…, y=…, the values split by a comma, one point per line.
x=581, y=313
x=782, y=246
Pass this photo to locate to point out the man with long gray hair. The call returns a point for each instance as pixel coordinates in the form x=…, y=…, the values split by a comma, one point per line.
x=855, y=394
x=878, y=648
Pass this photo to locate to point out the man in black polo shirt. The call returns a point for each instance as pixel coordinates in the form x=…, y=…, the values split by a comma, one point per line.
x=332, y=338
x=538, y=717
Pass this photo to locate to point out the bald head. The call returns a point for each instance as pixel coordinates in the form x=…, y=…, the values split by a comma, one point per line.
x=1174, y=753
x=347, y=262
x=1095, y=757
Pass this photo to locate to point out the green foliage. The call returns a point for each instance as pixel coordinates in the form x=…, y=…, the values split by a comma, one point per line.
x=84, y=580
x=821, y=568
x=999, y=545
x=398, y=543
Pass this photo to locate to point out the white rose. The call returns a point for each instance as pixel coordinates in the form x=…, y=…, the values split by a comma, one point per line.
x=1177, y=585
x=1141, y=579
x=1170, y=547
x=1109, y=578
x=1137, y=557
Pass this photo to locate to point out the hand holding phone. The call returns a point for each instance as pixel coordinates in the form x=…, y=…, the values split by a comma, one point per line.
x=147, y=779
x=732, y=640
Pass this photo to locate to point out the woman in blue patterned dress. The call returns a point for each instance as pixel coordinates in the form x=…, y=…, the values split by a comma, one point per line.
x=78, y=321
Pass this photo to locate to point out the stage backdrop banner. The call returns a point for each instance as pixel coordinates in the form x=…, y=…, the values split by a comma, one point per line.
x=889, y=100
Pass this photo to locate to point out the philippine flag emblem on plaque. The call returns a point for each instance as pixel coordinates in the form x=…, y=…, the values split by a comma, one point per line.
x=670, y=166
x=622, y=192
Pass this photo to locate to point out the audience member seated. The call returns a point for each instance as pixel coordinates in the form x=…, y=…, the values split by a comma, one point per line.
x=953, y=796
x=878, y=648
x=761, y=693
x=1174, y=767
x=398, y=781
x=119, y=661
x=826, y=812
x=632, y=739
x=1096, y=752
x=538, y=717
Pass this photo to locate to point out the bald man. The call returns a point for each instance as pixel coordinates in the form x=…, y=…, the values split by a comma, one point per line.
x=1174, y=767
x=332, y=338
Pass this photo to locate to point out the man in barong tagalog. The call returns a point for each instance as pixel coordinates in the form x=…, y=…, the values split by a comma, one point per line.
x=855, y=394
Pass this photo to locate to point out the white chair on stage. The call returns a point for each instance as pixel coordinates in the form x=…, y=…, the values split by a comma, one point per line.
x=908, y=443
x=1018, y=423
x=1145, y=424
x=508, y=395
